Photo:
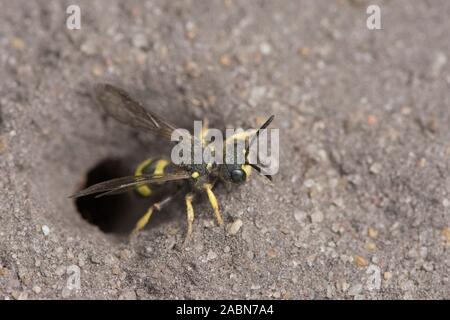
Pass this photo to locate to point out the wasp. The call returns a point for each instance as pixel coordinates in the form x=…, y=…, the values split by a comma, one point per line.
x=151, y=174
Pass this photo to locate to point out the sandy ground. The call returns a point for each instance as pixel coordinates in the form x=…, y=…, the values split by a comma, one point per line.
x=359, y=210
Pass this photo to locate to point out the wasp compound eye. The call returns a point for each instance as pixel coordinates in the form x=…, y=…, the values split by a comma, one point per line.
x=238, y=175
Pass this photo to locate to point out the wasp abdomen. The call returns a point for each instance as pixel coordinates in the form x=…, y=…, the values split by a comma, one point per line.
x=150, y=166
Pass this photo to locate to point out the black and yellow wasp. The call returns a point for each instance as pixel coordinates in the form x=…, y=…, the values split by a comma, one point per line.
x=151, y=174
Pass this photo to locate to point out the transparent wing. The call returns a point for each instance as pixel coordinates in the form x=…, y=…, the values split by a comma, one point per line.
x=118, y=104
x=123, y=184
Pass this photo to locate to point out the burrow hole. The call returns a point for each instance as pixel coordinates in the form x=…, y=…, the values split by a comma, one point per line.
x=116, y=214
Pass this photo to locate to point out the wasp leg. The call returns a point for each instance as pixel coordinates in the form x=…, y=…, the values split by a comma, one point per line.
x=142, y=222
x=213, y=201
x=190, y=216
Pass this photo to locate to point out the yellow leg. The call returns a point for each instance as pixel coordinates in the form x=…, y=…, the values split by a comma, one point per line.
x=214, y=204
x=142, y=222
x=190, y=216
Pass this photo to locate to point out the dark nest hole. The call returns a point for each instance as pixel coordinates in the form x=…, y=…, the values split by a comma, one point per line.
x=119, y=213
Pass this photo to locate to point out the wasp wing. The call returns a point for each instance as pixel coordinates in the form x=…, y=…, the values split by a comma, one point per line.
x=123, y=184
x=119, y=104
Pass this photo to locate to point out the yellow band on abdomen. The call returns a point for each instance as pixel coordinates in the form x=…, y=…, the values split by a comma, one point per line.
x=159, y=165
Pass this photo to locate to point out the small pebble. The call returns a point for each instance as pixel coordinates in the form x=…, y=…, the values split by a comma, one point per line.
x=265, y=48
x=82, y=259
x=234, y=227
x=163, y=50
x=141, y=293
x=446, y=233
x=191, y=30
x=225, y=60
x=375, y=168
x=406, y=111
x=300, y=216
x=360, y=261
x=310, y=260
x=45, y=230
x=192, y=69
x=110, y=259
x=271, y=253
x=20, y=295
x=317, y=217
x=24, y=275
x=337, y=228
x=96, y=259
x=446, y=203
x=338, y=202
x=60, y=271
x=309, y=183
x=387, y=275
x=304, y=51
x=345, y=286
x=255, y=287
x=211, y=255
x=88, y=48
x=438, y=63
x=373, y=233
x=140, y=41
x=17, y=43
x=423, y=252
x=3, y=271
x=97, y=70
x=66, y=292
x=370, y=246
x=355, y=289
x=428, y=266
x=422, y=162
x=125, y=254
x=36, y=289
x=371, y=120
x=115, y=270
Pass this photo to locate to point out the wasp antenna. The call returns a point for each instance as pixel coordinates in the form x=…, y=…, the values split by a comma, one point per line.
x=258, y=169
x=265, y=125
